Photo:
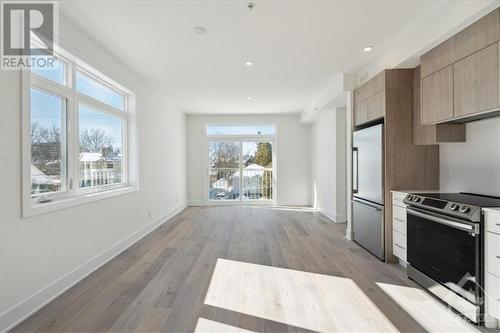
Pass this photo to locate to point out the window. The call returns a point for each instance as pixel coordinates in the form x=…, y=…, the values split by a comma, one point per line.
x=48, y=128
x=76, y=136
x=239, y=130
x=56, y=74
x=240, y=162
x=101, y=146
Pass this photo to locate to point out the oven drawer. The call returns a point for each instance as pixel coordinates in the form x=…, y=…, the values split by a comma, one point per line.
x=492, y=219
x=399, y=245
x=493, y=295
x=493, y=253
x=399, y=219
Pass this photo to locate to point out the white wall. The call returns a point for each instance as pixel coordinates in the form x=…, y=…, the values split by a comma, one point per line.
x=328, y=158
x=473, y=166
x=292, y=147
x=41, y=256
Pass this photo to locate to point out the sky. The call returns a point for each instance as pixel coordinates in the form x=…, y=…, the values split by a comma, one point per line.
x=48, y=110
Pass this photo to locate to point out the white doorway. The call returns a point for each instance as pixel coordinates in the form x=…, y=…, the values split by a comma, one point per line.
x=241, y=164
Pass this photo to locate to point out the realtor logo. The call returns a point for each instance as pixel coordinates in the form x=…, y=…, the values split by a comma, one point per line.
x=28, y=31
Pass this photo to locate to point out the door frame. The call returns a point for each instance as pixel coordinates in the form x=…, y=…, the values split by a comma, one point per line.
x=240, y=139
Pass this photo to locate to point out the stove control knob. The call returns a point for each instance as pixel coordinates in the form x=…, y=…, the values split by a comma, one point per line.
x=464, y=209
x=410, y=197
x=416, y=199
x=454, y=207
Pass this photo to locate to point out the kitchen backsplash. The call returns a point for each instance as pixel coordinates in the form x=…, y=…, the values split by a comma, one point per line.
x=473, y=166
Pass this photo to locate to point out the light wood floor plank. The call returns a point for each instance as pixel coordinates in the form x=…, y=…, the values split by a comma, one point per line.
x=162, y=282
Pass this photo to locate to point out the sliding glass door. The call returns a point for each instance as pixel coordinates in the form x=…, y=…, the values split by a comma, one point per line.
x=240, y=170
x=224, y=161
x=257, y=170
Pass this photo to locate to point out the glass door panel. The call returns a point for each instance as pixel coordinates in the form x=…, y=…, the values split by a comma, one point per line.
x=257, y=170
x=224, y=170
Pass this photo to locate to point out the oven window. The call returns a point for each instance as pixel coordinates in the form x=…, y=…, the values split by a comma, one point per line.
x=445, y=254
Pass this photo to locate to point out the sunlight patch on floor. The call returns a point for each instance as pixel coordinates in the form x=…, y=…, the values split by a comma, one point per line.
x=430, y=313
x=210, y=326
x=316, y=302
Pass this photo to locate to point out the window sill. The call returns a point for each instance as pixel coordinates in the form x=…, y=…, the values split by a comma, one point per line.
x=33, y=208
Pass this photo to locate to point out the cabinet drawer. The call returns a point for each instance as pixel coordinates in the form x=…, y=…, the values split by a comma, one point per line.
x=399, y=245
x=397, y=199
x=493, y=295
x=492, y=221
x=493, y=253
x=399, y=219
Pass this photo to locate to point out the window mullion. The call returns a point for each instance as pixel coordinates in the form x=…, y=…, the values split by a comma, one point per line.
x=241, y=171
x=74, y=149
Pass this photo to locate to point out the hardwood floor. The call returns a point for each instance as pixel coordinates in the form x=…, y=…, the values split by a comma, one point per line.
x=226, y=269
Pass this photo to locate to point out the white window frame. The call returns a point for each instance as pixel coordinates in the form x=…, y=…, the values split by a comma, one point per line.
x=73, y=194
x=241, y=139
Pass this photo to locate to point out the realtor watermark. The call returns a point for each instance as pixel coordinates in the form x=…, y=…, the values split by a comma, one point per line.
x=28, y=35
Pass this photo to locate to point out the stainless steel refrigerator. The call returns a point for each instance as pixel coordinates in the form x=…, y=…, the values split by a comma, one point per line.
x=368, y=189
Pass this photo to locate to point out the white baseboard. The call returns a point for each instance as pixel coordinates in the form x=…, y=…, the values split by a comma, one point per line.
x=348, y=233
x=19, y=312
x=333, y=217
x=196, y=203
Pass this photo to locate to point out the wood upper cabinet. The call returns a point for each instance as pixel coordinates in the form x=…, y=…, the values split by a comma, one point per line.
x=369, y=100
x=361, y=113
x=370, y=88
x=376, y=106
x=370, y=109
x=437, y=96
x=431, y=134
x=438, y=58
x=476, y=82
x=475, y=37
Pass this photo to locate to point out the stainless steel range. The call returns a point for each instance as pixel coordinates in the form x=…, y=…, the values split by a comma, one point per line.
x=445, y=247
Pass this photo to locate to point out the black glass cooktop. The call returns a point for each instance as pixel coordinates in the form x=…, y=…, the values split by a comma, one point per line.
x=465, y=198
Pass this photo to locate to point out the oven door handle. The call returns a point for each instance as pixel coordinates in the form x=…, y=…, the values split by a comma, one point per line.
x=470, y=228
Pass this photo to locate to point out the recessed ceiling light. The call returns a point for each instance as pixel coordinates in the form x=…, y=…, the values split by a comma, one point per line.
x=249, y=98
x=200, y=30
x=368, y=48
x=248, y=63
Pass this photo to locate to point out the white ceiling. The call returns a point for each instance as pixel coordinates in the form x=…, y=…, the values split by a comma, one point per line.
x=297, y=46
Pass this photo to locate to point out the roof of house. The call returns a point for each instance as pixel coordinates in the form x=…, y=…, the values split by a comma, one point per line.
x=90, y=157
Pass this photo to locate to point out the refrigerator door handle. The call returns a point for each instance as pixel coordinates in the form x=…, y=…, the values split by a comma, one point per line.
x=367, y=205
x=355, y=173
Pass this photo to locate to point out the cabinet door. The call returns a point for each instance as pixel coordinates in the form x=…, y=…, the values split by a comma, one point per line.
x=361, y=113
x=437, y=96
x=438, y=58
x=477, y=36
x=475, y=82
x=376, y=106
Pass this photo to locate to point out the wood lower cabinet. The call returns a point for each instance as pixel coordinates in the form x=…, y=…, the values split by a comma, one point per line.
x=437, y=96
x=476, y=82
